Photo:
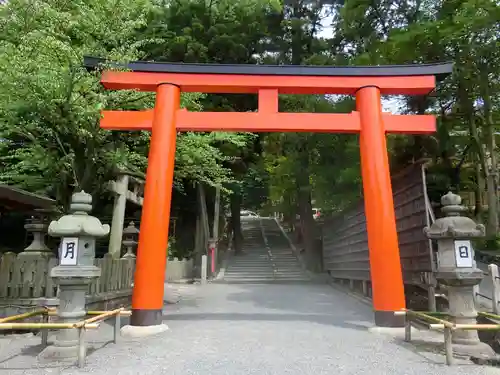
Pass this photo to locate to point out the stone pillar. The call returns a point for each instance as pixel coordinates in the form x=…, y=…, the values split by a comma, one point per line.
x=130, y=236
x=204, y=267
x=115, y=237
x=456, y=269
x=76, y=270
x=37, y=225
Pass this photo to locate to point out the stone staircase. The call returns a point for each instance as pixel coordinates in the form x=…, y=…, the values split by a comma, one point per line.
x=286, y=265
x=266, y=258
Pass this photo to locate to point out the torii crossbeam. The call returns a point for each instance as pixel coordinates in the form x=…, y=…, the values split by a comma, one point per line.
x=166, y=119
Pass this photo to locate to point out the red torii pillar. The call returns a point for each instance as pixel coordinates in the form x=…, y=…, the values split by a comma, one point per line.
x=366, y=83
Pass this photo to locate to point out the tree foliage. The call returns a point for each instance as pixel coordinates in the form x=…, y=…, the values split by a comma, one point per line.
x=49, y=104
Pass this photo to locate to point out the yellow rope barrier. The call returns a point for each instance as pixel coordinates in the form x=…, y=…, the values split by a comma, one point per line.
x=82, y=326
x=448, y=327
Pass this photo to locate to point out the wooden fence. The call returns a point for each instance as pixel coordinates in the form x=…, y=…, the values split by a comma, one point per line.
x=29, y=276
x=345, y=242
x=25, y=280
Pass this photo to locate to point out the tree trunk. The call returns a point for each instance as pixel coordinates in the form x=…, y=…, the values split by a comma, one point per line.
x=235, y=202
x=307, y=223
x=204, y=215
x=492, y=225
x=198, y=244
x=308, y=228
x=467, y=108
x=492, y=171
x=215, y=227
x=491, y=194
x=478, y=193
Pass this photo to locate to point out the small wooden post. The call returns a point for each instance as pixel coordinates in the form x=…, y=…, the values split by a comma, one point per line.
x=431, y=290
x=81, y=346
x=117, y=327
x=407, y=328
x=448, y=346
x=45, y=332
x=495, y=282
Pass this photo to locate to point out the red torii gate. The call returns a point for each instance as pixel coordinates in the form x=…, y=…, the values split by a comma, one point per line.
x=166, y=119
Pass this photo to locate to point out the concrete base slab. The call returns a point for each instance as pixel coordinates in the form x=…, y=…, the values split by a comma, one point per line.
x=63, y=354
x=142, y=331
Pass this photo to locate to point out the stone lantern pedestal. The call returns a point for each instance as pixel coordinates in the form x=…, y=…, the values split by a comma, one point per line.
x=456, y=269
x=130, y=236
x=37, y=225
x=76, y=270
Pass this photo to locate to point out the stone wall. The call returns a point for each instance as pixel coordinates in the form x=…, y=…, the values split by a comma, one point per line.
x=179, y=270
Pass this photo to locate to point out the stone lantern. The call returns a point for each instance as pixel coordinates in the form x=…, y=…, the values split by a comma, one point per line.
x=130, y=236
x=457, y=271
x=37, y=225
x=75, y=271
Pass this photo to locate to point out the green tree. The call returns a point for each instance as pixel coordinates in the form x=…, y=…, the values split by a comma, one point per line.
x=463, y=31
x=49, y=104
x=199, y=31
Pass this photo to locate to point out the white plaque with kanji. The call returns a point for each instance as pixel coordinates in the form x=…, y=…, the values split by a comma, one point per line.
x=69, y=251
x=463, y=254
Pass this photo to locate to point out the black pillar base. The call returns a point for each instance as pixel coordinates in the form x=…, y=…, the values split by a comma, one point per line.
x=146, y=317
x=388, y=319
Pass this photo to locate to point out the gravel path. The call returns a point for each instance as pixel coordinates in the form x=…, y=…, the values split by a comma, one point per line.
x=260, y=329
x=252, y=329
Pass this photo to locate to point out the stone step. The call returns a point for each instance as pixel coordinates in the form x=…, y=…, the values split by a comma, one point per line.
x=260, y=262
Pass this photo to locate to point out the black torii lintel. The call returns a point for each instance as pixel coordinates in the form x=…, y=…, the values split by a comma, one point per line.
x=439, y=70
